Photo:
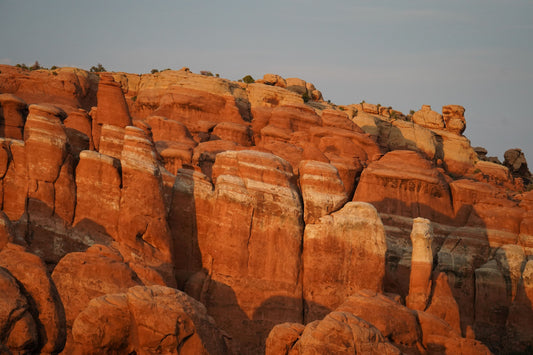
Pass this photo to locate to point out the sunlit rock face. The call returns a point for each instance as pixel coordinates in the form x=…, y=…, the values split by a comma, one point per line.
x=183, y=213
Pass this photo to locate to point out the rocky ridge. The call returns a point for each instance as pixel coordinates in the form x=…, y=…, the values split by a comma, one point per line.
x=251, y=218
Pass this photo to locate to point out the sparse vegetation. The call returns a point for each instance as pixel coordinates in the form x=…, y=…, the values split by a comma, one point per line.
x=363, y=102
x=393, y=115
x=22, y=66
x=248, y=79
x=134, y=98
x=206, y=73
x=97, y=69
x=53, y=67
x=412, y=112
x=305, y=97
x=342, y=108
x=153, y=71
x=36, y=66
x=54, y=73
x=217, y=75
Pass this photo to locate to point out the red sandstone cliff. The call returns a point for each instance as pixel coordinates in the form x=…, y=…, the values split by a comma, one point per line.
x=179, y=213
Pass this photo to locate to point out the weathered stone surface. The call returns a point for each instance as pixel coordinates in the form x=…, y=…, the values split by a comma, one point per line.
x=273, y=80
x=296, y=85
x=338, y=119
x=81, y=122
x=112, y=108
x=70, y=88
x=421, y=265
x=443, y=304
x=15, y=182
x=454, y=117
x=519, y=332
x=251, y=277
x=80, y=277
x=30, y=272
x=142, y=223
x=343, y=253
x=428, y=118
x=396, y=322
x=491, y=303
x=98, y=183
x=12, y=116
x=322, y=190
x=338, y=332
x=515, y=160
x=152, y=319
x=18, y=330
x=45, y=144
x=404, y=183
x=282, y=338
x=235, y=132
x=111, y=140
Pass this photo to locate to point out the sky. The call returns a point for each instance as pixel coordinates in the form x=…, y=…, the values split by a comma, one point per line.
x=404, y=54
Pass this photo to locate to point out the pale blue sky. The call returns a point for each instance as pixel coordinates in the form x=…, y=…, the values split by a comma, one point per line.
x=475, y=53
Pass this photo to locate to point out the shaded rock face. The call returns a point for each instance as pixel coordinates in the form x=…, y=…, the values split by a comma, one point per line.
x=238, y=194
x=517, y=164
x=12, y=116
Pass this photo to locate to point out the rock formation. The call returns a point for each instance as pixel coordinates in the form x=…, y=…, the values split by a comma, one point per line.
x=181, y=213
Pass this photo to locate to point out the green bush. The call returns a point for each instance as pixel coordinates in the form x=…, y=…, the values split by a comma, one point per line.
x=206, y=73
x=97, y=69
x=53, y=67
x=305, y=97
x=153, y=71
x=248, y=79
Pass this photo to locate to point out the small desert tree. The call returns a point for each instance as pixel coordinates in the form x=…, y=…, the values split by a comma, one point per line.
x=98, y=68
x=248, y=79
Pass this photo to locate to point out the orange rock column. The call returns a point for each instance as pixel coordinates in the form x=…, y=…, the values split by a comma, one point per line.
x=421, y=264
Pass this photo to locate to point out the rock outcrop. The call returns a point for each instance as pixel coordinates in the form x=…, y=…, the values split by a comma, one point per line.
x=297, y=225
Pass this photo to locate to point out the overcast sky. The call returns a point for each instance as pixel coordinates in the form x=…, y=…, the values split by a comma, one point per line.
x=475, y=53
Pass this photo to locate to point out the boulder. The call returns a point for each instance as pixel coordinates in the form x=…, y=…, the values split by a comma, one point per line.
x=82, y=276
x=18, y=330
x=273, y=80
x=296, y=85
x=515, y=160
x=454, y=118
x=31, y=273
x=337, y=333
x=425, y=117
x=395, y=322
x=153, y=319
